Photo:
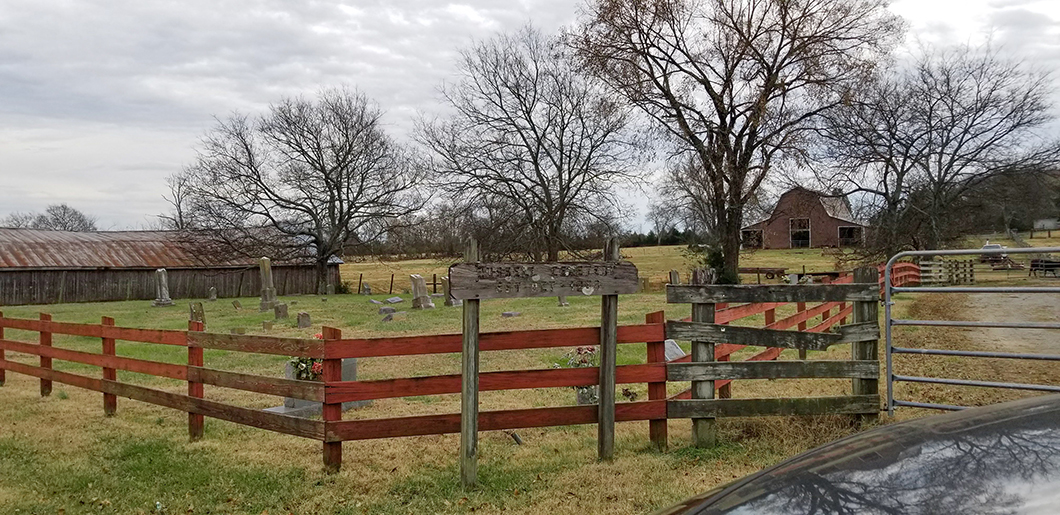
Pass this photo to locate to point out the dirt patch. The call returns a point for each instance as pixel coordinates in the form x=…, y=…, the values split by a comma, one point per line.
x=1015, y=307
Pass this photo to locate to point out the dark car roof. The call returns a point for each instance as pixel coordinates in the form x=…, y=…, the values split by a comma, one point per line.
x=999, y=459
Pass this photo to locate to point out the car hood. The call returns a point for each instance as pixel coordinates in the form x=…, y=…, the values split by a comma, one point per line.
x=1000, y=459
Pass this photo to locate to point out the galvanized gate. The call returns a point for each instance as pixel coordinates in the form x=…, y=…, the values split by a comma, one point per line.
x=893, y=348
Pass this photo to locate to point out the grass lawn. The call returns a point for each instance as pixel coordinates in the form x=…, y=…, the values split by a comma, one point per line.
x=61, y=455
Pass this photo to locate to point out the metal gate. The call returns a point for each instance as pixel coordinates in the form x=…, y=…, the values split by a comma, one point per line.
x=890, y=322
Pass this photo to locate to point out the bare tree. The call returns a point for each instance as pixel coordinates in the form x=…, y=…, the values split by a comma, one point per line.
x=920, y=140
x=531, y=140
x=18, y=220
x=180, y=216
x=56, y=217
x=308, y=178
x=736, y=83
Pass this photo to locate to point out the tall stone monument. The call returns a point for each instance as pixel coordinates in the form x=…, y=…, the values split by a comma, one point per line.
x=268, y=292
x=449, y=300
x=162, y=289
x=421, y=298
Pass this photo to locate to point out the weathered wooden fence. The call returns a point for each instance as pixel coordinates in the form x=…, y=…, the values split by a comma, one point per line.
x=47, y=286
x=709, y=369
x=947, y=271
x=706, y=334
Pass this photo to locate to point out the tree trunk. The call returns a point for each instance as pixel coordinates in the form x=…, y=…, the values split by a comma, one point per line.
x=322, y=275
x=730, y=248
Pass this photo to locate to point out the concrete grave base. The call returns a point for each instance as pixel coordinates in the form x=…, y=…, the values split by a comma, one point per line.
x=306, y=409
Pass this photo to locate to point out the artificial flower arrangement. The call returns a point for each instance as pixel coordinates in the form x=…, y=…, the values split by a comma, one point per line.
x=308, y=369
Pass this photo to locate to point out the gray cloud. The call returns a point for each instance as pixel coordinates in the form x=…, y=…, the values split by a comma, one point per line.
x=101, y=100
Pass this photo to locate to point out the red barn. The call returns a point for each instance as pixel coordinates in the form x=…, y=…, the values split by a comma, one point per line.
x=806, y=218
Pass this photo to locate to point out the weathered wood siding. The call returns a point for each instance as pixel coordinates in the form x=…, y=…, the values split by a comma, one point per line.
x=94, y=285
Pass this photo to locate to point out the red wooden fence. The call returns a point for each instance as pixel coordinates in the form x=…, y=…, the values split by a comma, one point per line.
x=332, y=391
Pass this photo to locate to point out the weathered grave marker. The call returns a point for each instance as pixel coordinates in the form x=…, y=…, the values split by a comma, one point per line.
x=330, y=290
x=304, y=408
x=237, y=305
x=303, y=320
x=267, y=325
x=279, y=311
x=196, y=313
x=448, y=295
x=162, y=289
x=395, y=300
x=239, y=330
x=268, y=291
x=563, y=301
x=373, y=301
x=366, y=289
x=386, y=310
x=510, y=314
x=421, y=298
x=212, y=295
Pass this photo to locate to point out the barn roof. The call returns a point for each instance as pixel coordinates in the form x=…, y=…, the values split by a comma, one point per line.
x=835, y=207
x=31, y=248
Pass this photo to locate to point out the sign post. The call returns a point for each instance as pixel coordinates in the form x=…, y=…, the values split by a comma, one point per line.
x=472, y=281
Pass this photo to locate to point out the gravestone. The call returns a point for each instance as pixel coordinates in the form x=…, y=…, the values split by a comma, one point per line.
x=196, y=313
x=390, y=316
x=279, y=311
x=365, y=289
x=304, y=320
x=675, y=277
x=673, y=350
x=386, y=310
x=395, y=300
x=449, y=300
x=237, y=305
x=162, y=289
x=330, y=290
x=306, y=409
x=421, y=298
x=510, y=314
x=373, y=301
x=212, y=295
x=266, y=325
x=563, y=301
x=268, y=291
x=239, y=330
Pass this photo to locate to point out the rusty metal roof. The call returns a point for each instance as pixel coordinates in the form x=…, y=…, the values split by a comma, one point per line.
x=30, y=248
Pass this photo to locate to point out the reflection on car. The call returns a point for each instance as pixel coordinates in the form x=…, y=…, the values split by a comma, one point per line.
x=1000, y=459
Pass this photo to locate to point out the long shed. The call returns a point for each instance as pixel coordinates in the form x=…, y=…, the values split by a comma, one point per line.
x=47, y=267
x=806, y=218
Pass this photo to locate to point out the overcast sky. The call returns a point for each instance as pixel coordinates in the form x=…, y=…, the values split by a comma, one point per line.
x=101, y=100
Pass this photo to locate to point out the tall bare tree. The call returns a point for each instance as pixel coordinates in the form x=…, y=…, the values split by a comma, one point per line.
x=737, y=83
x=920, y=139
x=530, y=139
x=305, y=180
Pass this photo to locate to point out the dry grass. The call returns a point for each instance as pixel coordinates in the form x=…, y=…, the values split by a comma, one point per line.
x=61, y=453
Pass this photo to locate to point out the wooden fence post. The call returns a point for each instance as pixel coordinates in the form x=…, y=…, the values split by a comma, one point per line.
x=799, y=308
x=195, y=359
x=469, y=382
x=360, y=282
x=332, y=412
x=657, y=391
x=866, y=312
x=605, y=423
x=704, y=432
x=110, y=401
x=391, y=284
x=45, y=363
x=3, y=372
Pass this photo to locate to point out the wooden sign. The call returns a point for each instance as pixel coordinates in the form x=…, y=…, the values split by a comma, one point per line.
x=507, y=280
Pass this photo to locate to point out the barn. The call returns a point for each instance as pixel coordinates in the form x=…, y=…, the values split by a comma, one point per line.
x=46, y=267
x=806, y=218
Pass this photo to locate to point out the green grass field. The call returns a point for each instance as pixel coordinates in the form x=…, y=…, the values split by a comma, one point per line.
x=61, y=455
